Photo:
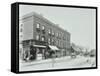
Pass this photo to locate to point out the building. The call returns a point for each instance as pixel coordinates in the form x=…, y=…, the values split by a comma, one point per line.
x=43, y=35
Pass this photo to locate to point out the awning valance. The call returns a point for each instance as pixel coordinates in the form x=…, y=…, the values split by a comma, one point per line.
x=53, y=47
x=40, y=46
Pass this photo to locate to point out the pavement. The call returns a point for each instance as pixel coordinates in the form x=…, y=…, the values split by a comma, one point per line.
x=58, y=63
x=24, y=63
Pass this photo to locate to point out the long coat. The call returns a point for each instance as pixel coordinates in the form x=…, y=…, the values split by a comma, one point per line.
x=32, y=52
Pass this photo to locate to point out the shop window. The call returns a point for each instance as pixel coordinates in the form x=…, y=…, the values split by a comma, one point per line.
x=43, y=29
x=68, y=39
x=21, y=30
x=39, y=51
x=53, y=41
x=21, y=25
x=60, y=35
x=49, y=31
x=64, y=37
x=53, y=33
x=21, y=36
x=49, y=40
x=57, y=34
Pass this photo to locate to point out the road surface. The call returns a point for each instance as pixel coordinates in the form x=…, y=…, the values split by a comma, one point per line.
x=64, y=63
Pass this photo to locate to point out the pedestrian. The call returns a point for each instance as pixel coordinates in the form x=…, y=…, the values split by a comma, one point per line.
x=26, y=55
x=32, y=53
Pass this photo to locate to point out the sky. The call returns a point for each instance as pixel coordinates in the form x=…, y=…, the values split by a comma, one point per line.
x=80, y=22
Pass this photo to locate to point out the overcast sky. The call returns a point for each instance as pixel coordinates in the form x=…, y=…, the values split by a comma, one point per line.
x=79, y=22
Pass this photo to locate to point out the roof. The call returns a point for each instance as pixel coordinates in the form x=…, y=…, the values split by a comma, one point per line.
x=45, y=19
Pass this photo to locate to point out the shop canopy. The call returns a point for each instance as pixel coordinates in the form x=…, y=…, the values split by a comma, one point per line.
x=53, y=47
x=39, y=46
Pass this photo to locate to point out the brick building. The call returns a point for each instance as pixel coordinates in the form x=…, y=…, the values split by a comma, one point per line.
x=43, y=35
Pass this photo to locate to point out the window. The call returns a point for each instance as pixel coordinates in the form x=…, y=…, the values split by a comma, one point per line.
x=21, y=30
x=64, y=36
x=38, y=25
x=37, y=37
x=57, y=34
x=49, y=40
x=21, y=36
x=49, y=31
x=63, y=45
x=42, y=27
x=43, y=38
x=21, y=25
x=52, y=32
x=60, y=34
x=53, y=41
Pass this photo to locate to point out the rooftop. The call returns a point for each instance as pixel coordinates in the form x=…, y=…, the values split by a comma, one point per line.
x=42, y=17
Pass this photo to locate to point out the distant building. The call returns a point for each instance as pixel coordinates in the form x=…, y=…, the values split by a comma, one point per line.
x=43, y=35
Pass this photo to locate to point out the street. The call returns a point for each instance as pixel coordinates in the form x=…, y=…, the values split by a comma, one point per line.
x=60, y=63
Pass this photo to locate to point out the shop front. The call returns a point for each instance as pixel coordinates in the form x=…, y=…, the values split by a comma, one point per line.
x=40, y=52
x=34, y=52
x=53, y=51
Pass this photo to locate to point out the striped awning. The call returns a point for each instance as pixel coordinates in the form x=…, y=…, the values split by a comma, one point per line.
x=39, y=46
x=53, y=47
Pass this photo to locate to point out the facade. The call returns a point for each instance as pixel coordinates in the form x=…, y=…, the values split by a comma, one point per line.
x=42, y=36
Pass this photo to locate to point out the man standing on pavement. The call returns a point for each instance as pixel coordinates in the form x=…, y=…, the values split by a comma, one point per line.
x=32, y=52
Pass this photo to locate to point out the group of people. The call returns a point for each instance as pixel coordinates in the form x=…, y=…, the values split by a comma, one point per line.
x=29, y=53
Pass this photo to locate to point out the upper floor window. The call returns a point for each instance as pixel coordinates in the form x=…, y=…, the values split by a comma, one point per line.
x=61, y=43
x=43, y=28
x=37, y=25
x=68, y=38
x=59, y=35
x=49, y=31
x=57, y=42
x=21, y=25
x=37, y=37
x=21, y=30
x=43, y=38
x=52, y=40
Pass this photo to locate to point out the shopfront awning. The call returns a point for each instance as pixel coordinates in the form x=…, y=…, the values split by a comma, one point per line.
x=53, y=47
x=39, y=46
